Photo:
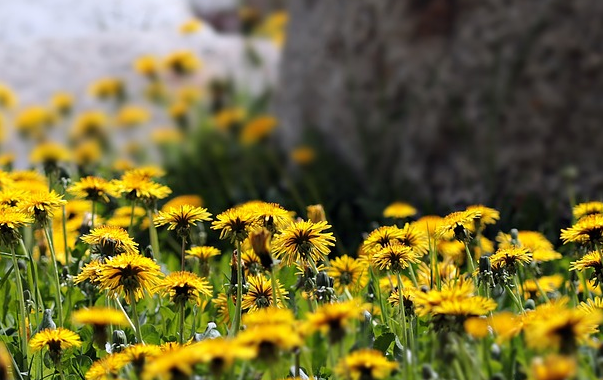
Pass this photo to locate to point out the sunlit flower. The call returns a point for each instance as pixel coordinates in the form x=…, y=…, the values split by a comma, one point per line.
x=123, y=215
x=182, y=62
x=11, y=220
x=107, y=367
x=140, y=354
x=89, y=272
x=269, y=340
x=348, y=272
x=181, y=200
x=563, y=329
x=130, y=275
x=42, y=205
x=334, y=319
x=220, y=353
x=62, y=102
x=399, y=210
x=87, y=153
x=588, y=230
x=182, y=218
x=221, y=306
x=259, y=294
x=303, y=241
x=257, y=129
x=510, y=258
x=269, y=215
x=365, y=364
x=235, y=224
x=99, y=318
x=504, y=325
x=110, y=241
x=55, y=340
x=429, y=223
x=458, y=225
x=166, y=136
x=303, y=155
x=554, y=367
x=90, y=125
x=49, y=154
x=594, y=305
x=547, y=284
x=381, y=238
x=6, y=365
x=183, y=287
x=487, y=215
x=136, y=186
x=131, y=116
x=148, y=66
x=108, y=88
x=537, y=244
x=8, y=99
x=94, y=189
x=203, y=253
x=316, y=213
x=191, y=26
x=34, y=121
x=228, y=117
x=394, y=257
x=588, y=208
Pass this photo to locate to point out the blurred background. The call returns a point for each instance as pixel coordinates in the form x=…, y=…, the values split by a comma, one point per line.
x=355, y=105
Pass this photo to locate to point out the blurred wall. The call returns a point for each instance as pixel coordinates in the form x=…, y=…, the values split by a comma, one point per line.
x=451, y=101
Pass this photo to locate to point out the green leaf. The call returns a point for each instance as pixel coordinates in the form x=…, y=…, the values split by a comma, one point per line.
x=383, y=342
x=150, y=334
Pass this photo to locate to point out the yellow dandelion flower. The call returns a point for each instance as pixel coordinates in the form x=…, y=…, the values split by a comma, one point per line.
x=453, y=251
x=108, y=88
x=547, y=284
x=381, y=238
x=181, y=200
x=592, y=305
x=348, y=272
x=303, y=241
x=182, y=62
x=365, y=364
x=7, y=160
x=394, y=257
x=56, y=340
x=235, y=224
x=6, y=366
x=269, y=340
x=588, y=208
x=89, y=272
x=269, y=215
x=303, y=155
x=34, y=121
x=130, y=275
x=90, y=125
x=316, y=213
x=203, y=253
x=107, y=368
x=99, y=316
x=166, y=136
x=510, y=258
x=182, y=218
x=259, y=294
x=141, y=354
x=428, y=224
x=122, y=215
x=590, y=260
x=220, y=353
x=334, y=319
x=183, y=287
x=94, y=189
x=11, y=220
x=268, y=316
x=62, y=102
x=147, y=65
x=174, y=364
x=399, y=210
x=553, y=367
x=228, y=117
x=565, y=329
x=130, y=116
x=87, y=153
x=42, y=205
x=8, y=99
x=537, y=244
x=135, y=185
x=191, y=26
x=487, y=215
x=110, y=241
x=221, y=306
x=49, y=154
x=458, y=225
x=588, y=230
x=257, y=129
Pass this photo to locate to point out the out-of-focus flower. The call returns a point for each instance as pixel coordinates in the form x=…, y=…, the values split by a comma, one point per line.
x=108, y=88
x=62, y=103
x=257, y=129
x=182, y=62
x=166, y=136
x=228, y=117
x=303, y=155
x=34, y=121
x=148, y=66
x=90, y=125
x=49, y=154
x=132, y=116
x=191, y=26
x=8, y=99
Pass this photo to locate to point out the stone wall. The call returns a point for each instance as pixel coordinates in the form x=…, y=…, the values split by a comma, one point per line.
x=454, y=101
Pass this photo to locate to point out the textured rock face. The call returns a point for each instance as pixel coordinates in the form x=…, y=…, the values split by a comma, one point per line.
x=453, y=100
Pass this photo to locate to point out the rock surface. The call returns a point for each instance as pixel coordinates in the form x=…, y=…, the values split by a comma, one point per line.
x=451, y=101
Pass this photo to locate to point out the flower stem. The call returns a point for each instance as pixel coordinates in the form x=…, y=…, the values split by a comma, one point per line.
x=135, y=318
x=64, y=223
x=21, y=296
x=92, y=217
x=470, y=263
x=56, y=277
x=237, y=317
x=153, y=235
x=131, y=217
x=182, y=249
x=34, y=270
x=275, y=299
x=181, y=323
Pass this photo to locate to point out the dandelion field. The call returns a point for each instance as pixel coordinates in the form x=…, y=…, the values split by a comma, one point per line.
x=113, y=267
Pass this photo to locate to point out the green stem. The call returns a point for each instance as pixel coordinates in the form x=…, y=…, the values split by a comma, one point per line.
x=131, y=217
x=375, y=281
x=470, y=263
x=64, y=223
x=23, y=310
x=274, y=286
x=135, y=318
x=153, y=235
x=57, y=282
x=237, y=317
x=181, y=327
x=34, y=269
x=93, y=215
x=515, y=300
x=182, y=249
